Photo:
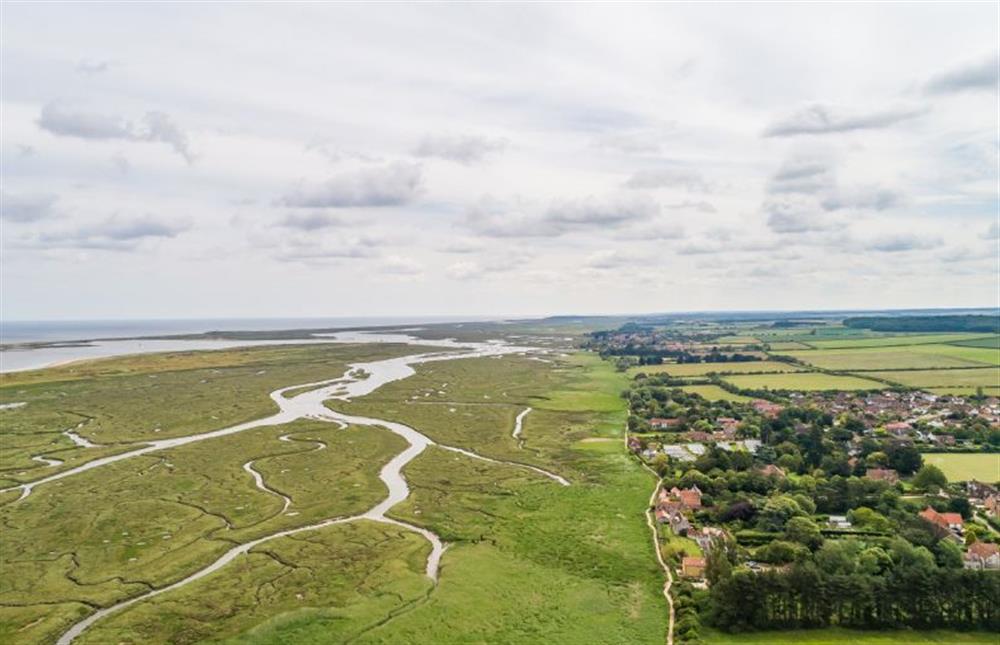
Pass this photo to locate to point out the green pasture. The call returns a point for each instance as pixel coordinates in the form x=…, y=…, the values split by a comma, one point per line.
x=896, y=339
x=682, y=370
x=714, y=393
x=802, y=381
x=902, y=357
x=984, y=376
x=960, y=466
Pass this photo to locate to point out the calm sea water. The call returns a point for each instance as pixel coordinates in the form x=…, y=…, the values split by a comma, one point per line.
x=12, y=360
x=23, y=331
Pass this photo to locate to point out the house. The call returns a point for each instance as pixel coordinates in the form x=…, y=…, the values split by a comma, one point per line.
x=664, y=424
x=634, y=445
x=982, y=555
x=771, y=470
x=692, y=567
x=948, y=521
x=898, y=428
x=839, y=522
x=698, y=435
x=882, y=474
x=728, y=423
x=679, y=524
x=690, y=498
x=979, y=491
x=706, y=536
x=767, y=408
x=992, y=506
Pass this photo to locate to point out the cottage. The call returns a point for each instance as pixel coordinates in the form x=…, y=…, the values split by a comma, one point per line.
x=992, y=506
x=692, y=567
x=664, y=424
x=690, y=498
x=882, y=474
x=706, y=536
x=898, y=428
x=982, y=555
x=948, y=521
x=771, y=470
x=839, y=522
x=767, y=408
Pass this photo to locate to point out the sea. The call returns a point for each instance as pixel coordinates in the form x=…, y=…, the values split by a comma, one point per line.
x=49, y=331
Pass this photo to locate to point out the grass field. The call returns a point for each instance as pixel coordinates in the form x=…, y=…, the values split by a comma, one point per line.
x=986, y=377
x=965, y=466
x=988, y=391
x=899, y=339
x=701, y=369
x=802, y=381
x=992, y=343
x=784, y=345
x=835, y=636
x=931, y=355
x=714, y=393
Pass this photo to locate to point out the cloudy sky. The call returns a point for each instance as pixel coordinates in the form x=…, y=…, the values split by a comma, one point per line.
x=322, y=160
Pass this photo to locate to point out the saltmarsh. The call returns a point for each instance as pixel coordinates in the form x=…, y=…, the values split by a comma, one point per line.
x=153, y=396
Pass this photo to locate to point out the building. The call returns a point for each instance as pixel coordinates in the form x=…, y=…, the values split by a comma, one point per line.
x=898, y=428
x=982, y=555
x=706, y=537
x=690, y=498
x=664, y=424
x=882, y=474
x=771, y=470
x=767, y=408
x=839, y=522
x=948, y=521
x=692, y=567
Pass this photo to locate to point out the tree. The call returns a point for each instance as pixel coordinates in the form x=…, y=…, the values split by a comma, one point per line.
x=929, y=477
x=903, y=457
x=804, y=531
x=866, y=518
x=777, y=511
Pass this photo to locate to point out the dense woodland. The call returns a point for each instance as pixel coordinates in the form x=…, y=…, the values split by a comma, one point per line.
x=960, y=323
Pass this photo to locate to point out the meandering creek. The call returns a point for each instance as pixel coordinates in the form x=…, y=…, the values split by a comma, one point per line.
x=359, y=380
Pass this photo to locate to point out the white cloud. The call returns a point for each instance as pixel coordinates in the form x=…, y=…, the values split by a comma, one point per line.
x=393, y=184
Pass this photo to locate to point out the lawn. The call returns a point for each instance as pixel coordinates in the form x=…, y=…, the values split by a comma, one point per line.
x=714, y=393
x=957, y=466
x=701, y=369
x=836, y=636
x=986, y=377
x=802, y=381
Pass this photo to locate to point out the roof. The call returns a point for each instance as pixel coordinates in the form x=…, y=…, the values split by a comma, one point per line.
x=983, y=549
x=692, y=561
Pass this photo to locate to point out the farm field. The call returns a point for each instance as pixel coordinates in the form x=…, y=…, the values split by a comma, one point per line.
x=897, y=339
x=986, y=377
x=701, y=369
x=802, y=381
x=713, y=393
x=782, y=346
x=957, y=466
x=988, y=391
x=901, y=357
x=835, y=636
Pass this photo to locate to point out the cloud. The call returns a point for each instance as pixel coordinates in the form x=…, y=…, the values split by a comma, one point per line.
x=654, y=232
x=610, y=259
x=402, y=266
x=461, y=246
x=699, y=206
x=803, y=175
x=793, y=216
x=901, y=242
x=93, y=67
x=983, y=75
x=311, y=221
x=393, y=184
x=26, y=208
x=476, y=270
x=60, y=120
x=117, y=233
x=667, y=178
x=992, y=233
x=463, y=149
x=498, y=219
x=822, y=119
x=871, y=197
x=318, y=251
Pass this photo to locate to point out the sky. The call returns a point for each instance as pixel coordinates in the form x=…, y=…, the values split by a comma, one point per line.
x=292, y=160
